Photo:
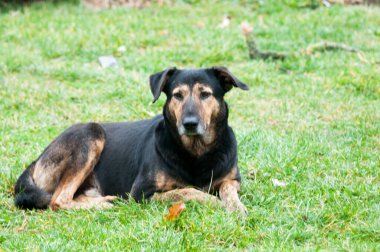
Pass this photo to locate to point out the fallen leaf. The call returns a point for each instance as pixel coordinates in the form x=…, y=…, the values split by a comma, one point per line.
x=163, y=33
x=277, y=182
x=246, y=28
x=175, y=210
x=200, y=25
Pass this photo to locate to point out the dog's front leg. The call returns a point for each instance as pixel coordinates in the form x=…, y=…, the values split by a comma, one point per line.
x=185, y=195
x=228, y=193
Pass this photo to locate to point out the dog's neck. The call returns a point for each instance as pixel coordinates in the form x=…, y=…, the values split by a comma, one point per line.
x=203, y=160
x=189, y=166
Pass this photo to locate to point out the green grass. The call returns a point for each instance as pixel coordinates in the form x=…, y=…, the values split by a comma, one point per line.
x=315, y=125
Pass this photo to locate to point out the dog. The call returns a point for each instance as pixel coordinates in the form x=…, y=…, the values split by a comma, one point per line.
x=187, y=153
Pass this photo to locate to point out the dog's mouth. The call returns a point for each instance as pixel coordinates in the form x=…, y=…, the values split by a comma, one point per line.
x=191, y=126
x=193, y=131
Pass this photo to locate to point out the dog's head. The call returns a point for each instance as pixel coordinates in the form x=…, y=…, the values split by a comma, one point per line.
x=194, y=102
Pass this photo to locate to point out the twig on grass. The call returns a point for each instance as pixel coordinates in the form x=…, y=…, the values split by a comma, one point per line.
x=328, y=46
x=256, y=53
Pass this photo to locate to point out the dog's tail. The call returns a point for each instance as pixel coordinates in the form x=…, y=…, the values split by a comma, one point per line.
x=28, y=195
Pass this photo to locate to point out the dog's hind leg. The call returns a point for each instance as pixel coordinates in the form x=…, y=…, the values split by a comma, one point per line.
x=89, y=195
x=84, y=156
x=67, y=162
x=55, y=176
x=83, y=201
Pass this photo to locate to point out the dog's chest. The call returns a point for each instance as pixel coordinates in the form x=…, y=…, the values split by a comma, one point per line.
x=207, y=180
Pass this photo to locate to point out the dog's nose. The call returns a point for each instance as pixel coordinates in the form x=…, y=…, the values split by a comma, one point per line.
x=190, y=123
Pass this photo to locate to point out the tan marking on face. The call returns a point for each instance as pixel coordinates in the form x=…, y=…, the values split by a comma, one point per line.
x=208, y=108
x=166, y=183
x=176, y=106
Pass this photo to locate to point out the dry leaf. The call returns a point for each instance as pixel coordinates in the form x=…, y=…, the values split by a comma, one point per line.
x=246, y=28
x=175, y=210
x=200, y=25
x=163, y=33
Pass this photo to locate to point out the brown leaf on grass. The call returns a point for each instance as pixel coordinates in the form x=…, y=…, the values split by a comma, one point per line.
x=163, y=33
x=160, y=2
x=246, y=28
x=175, y=210
x=200, y=25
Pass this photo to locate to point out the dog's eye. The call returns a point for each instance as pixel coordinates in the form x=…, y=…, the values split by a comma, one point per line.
x=178, y=96
x=205, y=95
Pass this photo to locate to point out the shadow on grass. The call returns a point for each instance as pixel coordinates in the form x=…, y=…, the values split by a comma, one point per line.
x=14, y=5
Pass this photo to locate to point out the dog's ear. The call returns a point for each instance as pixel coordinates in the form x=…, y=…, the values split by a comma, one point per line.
x=158, y=80
x=227, y=79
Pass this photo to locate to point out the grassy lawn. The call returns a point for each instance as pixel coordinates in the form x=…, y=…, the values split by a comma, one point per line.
x=312, y=121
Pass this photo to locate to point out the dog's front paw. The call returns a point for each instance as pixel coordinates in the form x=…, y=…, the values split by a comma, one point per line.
x=110, y=198
x=236, y=206
x=242, y=209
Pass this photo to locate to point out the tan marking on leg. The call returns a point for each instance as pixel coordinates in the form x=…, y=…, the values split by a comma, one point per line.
x=185, y=195
x=47, y=175
x=166, y=183
x=84, y=198
x=71, y=180
x=63, y=196
x=232, y=175
x=93, y=192
x=87, y=202
x=228, y=193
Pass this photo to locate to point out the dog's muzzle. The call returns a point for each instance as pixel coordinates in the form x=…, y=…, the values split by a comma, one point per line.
x=191, y=126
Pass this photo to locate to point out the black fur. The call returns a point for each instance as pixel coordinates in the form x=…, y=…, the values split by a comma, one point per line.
x=28, y=195
x=135, y=151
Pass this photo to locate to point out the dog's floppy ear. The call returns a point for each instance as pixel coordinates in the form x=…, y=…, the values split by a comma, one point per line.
x=158, y=80
x=227, y=79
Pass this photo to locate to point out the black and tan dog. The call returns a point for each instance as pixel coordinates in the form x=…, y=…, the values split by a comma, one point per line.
x=189, y=146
